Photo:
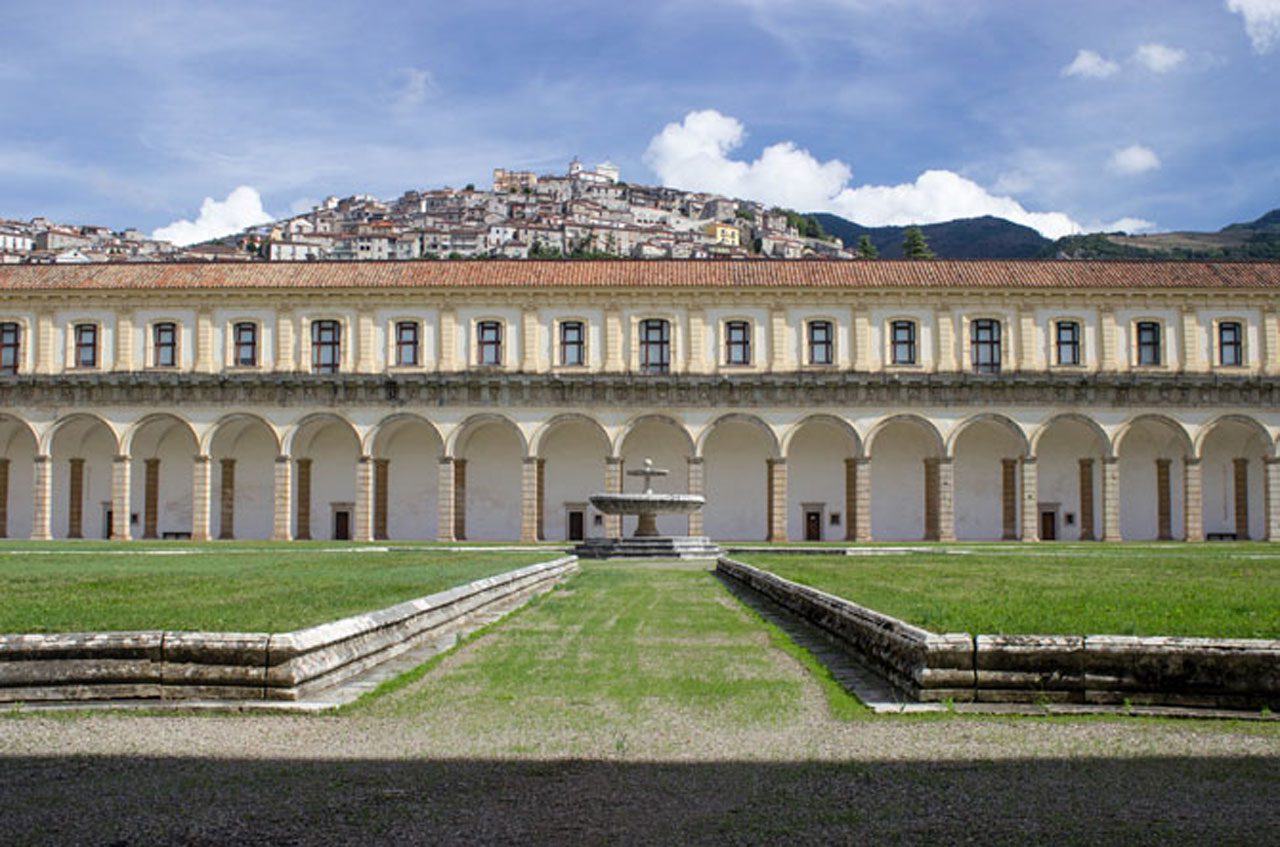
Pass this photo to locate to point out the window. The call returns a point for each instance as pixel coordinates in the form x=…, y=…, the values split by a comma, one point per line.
x=407, y=344
x=86, y=346
x=164, y=344
x=655, y=346
x=1230, y=344
x=1068, y=340
x=984, y=337
x=903, y=335
x=572, y=347
x=245, y=338
x=326, y=347
x=10, y=335
x=489, y=334
x=821, y=348
x=1148, y=343
x=737, y=343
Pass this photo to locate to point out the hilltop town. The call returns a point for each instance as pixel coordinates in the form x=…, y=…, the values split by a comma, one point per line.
x=587, y=213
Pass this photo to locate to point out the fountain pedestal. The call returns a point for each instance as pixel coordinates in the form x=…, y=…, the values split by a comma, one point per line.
x=647, y=543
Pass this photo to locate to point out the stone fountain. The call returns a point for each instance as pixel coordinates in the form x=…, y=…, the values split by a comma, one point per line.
x=647, y=543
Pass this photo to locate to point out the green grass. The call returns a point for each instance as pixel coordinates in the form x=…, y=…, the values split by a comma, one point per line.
x=1226, y=591
x=617, y=645
x=253, y=587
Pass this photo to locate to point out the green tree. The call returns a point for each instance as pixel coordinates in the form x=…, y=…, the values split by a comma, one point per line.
x=866, y=249
x=914, y=245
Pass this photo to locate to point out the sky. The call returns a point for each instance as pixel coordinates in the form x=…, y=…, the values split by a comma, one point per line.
x=193, y=119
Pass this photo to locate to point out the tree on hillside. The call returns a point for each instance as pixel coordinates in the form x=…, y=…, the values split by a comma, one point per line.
x=866, y=249
x=914, y=245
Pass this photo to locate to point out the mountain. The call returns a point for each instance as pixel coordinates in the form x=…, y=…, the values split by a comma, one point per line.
x=971, y=238
x=1258, y=239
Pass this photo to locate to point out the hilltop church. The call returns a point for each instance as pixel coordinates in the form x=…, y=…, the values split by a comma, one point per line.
x=807, y=400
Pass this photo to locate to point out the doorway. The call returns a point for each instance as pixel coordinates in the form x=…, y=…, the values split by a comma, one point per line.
x=1048, y=524
x=812, y=524
x=577, y=525
x=342, y=523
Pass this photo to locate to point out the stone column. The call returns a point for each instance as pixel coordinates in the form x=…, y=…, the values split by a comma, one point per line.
x=1164, y=499
x=1192, y=500
x=1008, y=499
x=1086, y=500
x=697, y=485
x=282, y=528
x=542, y=499
x=1271, y=465
x=850, y=499
x=1030, y=500
x=75, y=499
x=862, y=502
x=930, y=499
x=613, y=485
x=1241, y=490
x=200, y=497
x=42, y=519
x=529, y=500
x=1111, y=499
x=460, y=499
x=303, y=500
x=444, y=500
x=364, y=499
x=120, y=500
x=777, y=499
x=151, y=499
x=227, y=499
x=946, y=499
x=4, y=498
x=381, y=484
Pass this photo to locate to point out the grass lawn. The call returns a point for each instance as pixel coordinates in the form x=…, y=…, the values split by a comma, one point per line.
x=253, y=587
x=618, y=647
x=1226, y=591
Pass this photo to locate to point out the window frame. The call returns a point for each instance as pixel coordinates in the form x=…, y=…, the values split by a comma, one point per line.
x=10, y=349
x=829, y=343
x=320, y=344
x=1237, y=345
x=1141, y=346
x=489, y=347
x=661, y=344
x=989, y=348
x=78, y=345
x=1074, y=344
x=566, y=344
x=237, y=344
x=737, y=343
x=167, y=348
x=412, y=345
x=910, y=344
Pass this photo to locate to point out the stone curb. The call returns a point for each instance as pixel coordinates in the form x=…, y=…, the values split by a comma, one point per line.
x=1206, y=673
x=162, y=665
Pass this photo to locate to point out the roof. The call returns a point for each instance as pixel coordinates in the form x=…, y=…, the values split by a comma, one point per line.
x=652, y=273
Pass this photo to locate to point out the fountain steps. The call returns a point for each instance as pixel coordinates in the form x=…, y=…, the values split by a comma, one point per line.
x=652, y=547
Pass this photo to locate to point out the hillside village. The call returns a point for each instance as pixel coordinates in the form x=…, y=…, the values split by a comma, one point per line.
x=588, y=213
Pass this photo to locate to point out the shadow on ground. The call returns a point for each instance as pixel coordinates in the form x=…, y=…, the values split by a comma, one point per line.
x=134, y=801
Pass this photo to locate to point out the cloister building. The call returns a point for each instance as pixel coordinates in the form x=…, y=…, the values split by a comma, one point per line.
x=488, y=400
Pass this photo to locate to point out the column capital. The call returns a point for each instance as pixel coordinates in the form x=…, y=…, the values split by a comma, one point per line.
x=530, y=460
x=613, y=460
x=43, y=458
x=283, y=458
x=445, y=460
x=695, y=460
x=364, y=458
x=1028, y=460
x=1191, y=461
x=202, y=458
x=1266, y=460
x=120, y=457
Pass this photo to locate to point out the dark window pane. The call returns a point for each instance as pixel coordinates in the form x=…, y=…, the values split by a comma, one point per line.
x=246, y=345
x=1148, y=343
x=737, y=343
x=655, y=346
x=1230, y=344
x=407, y=343
x=904, y=343
x=489, y=334
x=165, y=342
x=326, y=347
x=821, y=346
x=571, y=343
x=10, y=347
x=1068, y=343
x=86, y=346
x=984, y=339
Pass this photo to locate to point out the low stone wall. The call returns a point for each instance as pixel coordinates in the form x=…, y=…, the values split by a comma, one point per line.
x=159, y=665
x=1098, y=669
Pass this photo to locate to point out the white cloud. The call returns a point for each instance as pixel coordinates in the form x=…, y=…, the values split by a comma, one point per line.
x=241, y=209
x=694, y=155
x=1130, y=225
x=1261, y=21
x=1134, y=159
x=416, y=86
x=1090, y=65
x=1159, y=58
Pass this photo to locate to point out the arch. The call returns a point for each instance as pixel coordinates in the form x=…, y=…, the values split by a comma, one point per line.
x=374, y=439
x=292, y=432
x=463, y=431
x=126, y=441
x=1084, y=420
x=822, y=418
x=46, y=442
x=1243, y=420
x=23, y=426
x=908, y=418
x=1178, y=429
x=985, y=417
x=738, y=417
x=545, y=429
x=654, y=417
x=212, y=433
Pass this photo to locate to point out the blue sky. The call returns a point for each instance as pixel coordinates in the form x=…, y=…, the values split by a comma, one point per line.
x=1157, y=114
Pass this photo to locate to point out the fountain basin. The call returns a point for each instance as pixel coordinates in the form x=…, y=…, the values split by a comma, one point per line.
x=655, y=504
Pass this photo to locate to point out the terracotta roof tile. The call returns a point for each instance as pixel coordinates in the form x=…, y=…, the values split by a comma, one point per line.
x=656, y=273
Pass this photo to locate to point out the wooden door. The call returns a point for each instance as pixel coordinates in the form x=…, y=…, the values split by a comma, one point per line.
x=342, y=525
x=576, y=526
x=813, y=526
x=1048, y=526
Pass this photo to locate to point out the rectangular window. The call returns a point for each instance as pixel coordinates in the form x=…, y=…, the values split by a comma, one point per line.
x=489, y=334
x=1230, y=344
x=1148, y=343
x=1068, y=337
x=10, y=339
x=164, y=343
x=904, y=342
x=655, y=346
x=984, y=338
x=572, y=345
x=737, y=343
x=326, y=347
x=821, y=346
x=407, y=344
x=86, y=346
x=245, y=337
